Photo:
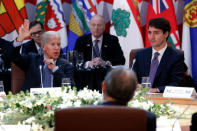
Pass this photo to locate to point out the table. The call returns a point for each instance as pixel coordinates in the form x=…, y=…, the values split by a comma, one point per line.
x=181, y=102
x=90, y=77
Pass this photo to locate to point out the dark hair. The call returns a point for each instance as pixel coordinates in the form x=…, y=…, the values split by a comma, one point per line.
x=33, y=23
x=121, y=84
x=160, y=23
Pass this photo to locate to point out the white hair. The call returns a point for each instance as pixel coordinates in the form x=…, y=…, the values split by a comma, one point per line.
x=48, y=34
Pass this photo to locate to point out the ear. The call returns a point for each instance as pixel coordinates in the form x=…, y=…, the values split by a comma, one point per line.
x=166, y=34
x=103, y=87
x=43, y=47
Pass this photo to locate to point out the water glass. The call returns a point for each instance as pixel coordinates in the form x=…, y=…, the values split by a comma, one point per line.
x=66, y=82
x=80, y=60
x=1, y=86
x=146, y=82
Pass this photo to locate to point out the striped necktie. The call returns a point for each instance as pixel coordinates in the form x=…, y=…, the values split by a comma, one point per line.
x=96, y=52
x=153, y=68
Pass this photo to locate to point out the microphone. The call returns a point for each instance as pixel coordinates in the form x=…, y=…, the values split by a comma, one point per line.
x=40, y=67
x=133, y=63
x=192, y=102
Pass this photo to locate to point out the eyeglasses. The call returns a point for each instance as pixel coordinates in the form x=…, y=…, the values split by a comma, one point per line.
x=37, y=33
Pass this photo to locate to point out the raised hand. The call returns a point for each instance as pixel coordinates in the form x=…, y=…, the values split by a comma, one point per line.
x=24, y=31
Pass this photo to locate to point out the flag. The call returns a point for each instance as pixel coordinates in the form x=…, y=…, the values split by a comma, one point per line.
x=50, y=13
x=12, y=15
x=165, y=9
x=126, y=25
x=189, y=37
x=104, y=8
x=79, y=21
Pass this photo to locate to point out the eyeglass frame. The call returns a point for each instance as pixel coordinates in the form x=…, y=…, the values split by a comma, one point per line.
x=37, y=33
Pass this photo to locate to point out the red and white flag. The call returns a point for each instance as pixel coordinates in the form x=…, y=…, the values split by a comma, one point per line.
x=165, y=9
x=126, y=25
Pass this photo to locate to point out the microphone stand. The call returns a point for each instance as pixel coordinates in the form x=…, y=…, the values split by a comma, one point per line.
x=41, y=75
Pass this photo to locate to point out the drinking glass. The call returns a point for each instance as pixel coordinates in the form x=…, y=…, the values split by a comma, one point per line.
x=80, y=60
x=66, y=82
x=1, y=86
x=146, y=82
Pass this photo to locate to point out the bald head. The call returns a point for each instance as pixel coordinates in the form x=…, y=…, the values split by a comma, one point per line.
x=97, y=26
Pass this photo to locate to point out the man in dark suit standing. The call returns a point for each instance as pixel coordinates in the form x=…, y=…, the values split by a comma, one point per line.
x=41, y=71
x=164, y=65
x=118, y=89
x=98, y=47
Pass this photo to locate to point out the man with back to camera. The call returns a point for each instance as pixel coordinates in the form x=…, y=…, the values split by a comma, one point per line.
x=98, y=47
x=164, y=65
x=52, y=67
x=118, y=89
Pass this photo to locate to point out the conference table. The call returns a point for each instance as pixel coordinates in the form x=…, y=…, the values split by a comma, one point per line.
x=180, y=102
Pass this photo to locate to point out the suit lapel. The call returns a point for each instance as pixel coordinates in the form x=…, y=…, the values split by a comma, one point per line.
x=163, y=62
x=104, y=46
x=147, y=61
x=89, y=45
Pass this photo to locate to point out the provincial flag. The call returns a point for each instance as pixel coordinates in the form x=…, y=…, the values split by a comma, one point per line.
x=126, y=25
x=79, y=20
x=50, y=13
x=189, y=38
x=12, y=15
x=165, y=9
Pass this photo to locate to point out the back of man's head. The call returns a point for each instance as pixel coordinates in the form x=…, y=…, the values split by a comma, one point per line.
x=160, y=23
x=120, y=85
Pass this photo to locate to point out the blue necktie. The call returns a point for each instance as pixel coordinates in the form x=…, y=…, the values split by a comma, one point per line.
x=46, y=77
x=153, y=68
x=96, y=52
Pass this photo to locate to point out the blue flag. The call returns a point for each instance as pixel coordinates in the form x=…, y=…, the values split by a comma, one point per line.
x=189, y=42
x=79, y=20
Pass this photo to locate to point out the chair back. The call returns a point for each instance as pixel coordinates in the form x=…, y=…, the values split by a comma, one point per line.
x=17, y=79
x=100, y=118
x=132, y=56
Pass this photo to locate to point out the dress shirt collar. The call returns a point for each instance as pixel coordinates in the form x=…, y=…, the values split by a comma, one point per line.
x=37, y=47
x=161, y=52
x=100, y=40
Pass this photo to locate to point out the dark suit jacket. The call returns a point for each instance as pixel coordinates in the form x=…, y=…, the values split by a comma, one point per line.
x=151, y=118
x=30, y=47
x=170, y=71
x=30, y=64
x=110, y=50
x=193, y=126
x=4, y=45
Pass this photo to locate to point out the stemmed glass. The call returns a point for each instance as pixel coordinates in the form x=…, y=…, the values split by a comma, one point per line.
x=79, y=60
x=146, y=83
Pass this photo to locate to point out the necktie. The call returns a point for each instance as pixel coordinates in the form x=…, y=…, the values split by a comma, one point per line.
x=96, y=52
x=40, y=51
x=153, y=68
x=46, y=77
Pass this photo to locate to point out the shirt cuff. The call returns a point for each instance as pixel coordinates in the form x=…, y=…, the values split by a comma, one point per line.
x=17, y=44
x=55, y=69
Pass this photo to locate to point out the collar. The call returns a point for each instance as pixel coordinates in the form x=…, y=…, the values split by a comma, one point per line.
x=100, y=38
x=37, y=46
x=161, y=52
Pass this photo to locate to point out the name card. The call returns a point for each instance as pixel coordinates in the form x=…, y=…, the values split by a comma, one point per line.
x=179, y=92
x=45, y=90
x=15, y=128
